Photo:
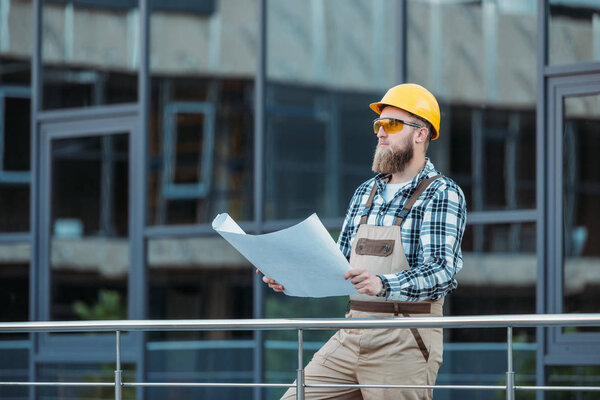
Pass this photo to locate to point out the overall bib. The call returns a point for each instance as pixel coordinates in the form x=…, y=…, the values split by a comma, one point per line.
x=379, y=356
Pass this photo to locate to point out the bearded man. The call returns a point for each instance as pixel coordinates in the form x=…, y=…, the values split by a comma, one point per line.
x=402, y=235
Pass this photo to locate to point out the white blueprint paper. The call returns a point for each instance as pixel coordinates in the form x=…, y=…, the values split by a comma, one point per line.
x=303, y=258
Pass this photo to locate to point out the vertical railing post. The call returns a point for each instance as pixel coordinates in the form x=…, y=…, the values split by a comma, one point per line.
x=510, y=375
x=118, y=375
x=300, y=371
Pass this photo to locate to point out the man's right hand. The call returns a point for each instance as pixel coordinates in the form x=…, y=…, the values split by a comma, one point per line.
x=271, y=282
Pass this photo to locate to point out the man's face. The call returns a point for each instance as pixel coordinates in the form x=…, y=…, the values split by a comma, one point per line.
x=394, y=152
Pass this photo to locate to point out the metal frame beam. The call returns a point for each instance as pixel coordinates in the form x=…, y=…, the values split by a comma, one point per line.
x=260, y=83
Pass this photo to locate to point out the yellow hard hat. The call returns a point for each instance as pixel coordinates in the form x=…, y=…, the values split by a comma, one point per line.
x=414, y=99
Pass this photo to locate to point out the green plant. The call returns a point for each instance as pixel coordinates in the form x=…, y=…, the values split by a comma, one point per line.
x=108, y=306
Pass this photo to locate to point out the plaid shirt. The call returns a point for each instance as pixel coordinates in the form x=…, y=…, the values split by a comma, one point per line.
x=431, y=234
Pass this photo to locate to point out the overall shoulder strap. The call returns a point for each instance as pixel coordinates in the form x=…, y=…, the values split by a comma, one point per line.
x=367, y=209
x=416, y=194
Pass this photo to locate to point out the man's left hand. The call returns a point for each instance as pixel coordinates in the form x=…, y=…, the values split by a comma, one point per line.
x=364, y=281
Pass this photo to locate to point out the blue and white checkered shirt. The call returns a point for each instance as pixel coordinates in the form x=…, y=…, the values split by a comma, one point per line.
x=431, y=233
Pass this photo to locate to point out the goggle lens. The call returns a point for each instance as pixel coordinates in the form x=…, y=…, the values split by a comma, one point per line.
x=389, y=125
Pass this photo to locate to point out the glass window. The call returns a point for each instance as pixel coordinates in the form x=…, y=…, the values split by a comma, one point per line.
x=16, y=42
x=89, y=255
x=581, y=196
x=90, y=54
x=573, y=31
x=201, y=126
x=14, y=367
x=479, y=60
x=499, y=276
x=199, y=278
x=14, y=280
x=326, y=61
x=15, y=138
x=84, y=372
x=14, y=303
x=567, y=375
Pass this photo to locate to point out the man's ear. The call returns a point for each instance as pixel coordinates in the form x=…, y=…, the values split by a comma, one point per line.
x=422, y=135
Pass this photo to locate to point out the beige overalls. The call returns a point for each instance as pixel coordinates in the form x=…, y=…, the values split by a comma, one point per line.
x=379, y=356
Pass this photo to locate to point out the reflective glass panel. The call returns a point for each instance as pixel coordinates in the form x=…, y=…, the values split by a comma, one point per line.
x=567, y=375
x=199, y=278
x=479, y=60
x=14, y=367
x=14, y=285
x=84, y=372
x=16, y=43
x=90, y=53
x=15, y=94
x=573, y=31
x=499, y=276
x=581, y=196
x=89, y=255
x=14, y=307
x=326, y=61
x=319, y=148
x=201, y=127
x=14, y=155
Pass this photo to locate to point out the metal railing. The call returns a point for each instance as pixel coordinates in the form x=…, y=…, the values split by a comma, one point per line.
x=490, y=321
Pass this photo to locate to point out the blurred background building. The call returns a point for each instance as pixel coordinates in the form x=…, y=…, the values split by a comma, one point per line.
x=127, y=125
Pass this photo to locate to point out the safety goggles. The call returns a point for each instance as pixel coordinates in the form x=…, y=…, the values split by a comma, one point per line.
x=391, y=125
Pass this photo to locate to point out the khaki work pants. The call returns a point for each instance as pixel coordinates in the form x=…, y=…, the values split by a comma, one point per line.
x=374, y=356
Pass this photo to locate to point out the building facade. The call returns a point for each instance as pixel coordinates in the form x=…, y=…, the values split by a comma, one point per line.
x=127, y=125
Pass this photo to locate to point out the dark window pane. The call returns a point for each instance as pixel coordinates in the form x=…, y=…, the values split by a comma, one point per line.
x=89, y=253
x=201, y=150
x=319, y=147
x=14, y=301
x=15, y=143
x=14, y=281
x=16, y=134
x=14, y=200
x=194, y=6
x=581, y=215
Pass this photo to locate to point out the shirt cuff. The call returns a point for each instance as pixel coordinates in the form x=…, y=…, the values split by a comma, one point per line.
x=385, y=281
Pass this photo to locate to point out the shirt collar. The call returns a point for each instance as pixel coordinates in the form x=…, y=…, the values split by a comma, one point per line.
x=426, y=172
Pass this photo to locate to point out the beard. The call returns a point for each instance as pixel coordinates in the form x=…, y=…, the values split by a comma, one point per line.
x=392, y=160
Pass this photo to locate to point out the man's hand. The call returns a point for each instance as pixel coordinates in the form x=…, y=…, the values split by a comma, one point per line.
x=271, y=282
x=364, y=281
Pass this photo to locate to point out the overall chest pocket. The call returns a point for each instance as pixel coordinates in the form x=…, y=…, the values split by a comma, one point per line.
x=372, y=247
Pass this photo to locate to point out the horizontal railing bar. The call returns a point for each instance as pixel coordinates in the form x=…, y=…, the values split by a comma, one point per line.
x=487, y=321
x=561, y=388
x=478, y=387
x=207, y=384
x=287, y=385
x=94, y=384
